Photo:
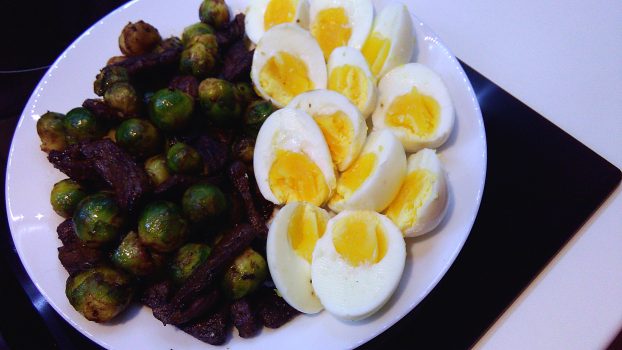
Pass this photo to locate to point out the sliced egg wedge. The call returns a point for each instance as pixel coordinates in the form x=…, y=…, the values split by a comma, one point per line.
x=261, y=15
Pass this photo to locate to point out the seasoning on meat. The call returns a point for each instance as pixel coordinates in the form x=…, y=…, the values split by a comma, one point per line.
x=231, y=32
x=237, y=62
x=157, y=294
x=101, y=110
x=273, y=310
x=240, y=177
x=245, y=318
x=212, y=329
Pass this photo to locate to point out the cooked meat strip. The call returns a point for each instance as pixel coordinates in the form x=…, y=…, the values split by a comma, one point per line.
x=237, y=62
x=74, y=164
x=157, y=294
x=169, y=314
x=214, y=152
x=76, y=257
x=212, y=329
x=239, y=176
x=151, y=61
x=245, y=318
x=102, y=111
x=273, y=310
x=231, y=32
x=66, y=232
x=186, y=83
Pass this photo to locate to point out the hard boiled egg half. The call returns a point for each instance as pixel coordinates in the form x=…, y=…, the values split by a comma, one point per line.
x=287, y=62
x=291, y=159
x=340, y=121
x=357, y=264
x=261, y=15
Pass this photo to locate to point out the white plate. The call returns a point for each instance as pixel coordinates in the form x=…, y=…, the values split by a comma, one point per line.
x=69, y=81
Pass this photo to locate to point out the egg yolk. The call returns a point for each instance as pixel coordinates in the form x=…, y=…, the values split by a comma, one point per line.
x=419, y=114
x=279, y=11
x=354, y=176
x=375, y=50
x=338, y=132
x=306, y=226
x=360, y=239
x=295, y=177
x=351, y=82
x=331, y=29
x=413, y=193
x=284, y=76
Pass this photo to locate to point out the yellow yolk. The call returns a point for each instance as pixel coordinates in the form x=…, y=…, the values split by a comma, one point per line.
x=360, y=239
x=419, y=114
x=338, y=132
x=279, y=11
x=295, y=177
x=284, y=76
x=415, y=190
x=354, y=176
x=331, y=29
x=351, y=82
x=307, y=225
x=375, y=50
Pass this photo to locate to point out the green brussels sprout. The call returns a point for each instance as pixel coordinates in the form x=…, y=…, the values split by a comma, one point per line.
x=139, y=137
x=162, y=227
x=244, y=93
x=99, y=294
x=197, y=60
x=81, y=125
x=183, y=159
x=187, y=259
x=202, y=202
x=109, y=76
x=244, y=149
x=170, y=43
x=245, y=274
x=138, y=38
x=51, y=132
x=157, y=169
x=132, y=256
x=65, y=196
x=256, y=114
x=195, y=29
x=214, y=13
x=123, y=97
x=218, y=101
x=171, y=110
x=98, y=219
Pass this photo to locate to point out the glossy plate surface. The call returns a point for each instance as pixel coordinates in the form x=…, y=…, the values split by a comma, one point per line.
x=68, y=82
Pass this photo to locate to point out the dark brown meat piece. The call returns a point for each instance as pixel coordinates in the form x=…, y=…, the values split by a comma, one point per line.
x=169, y=314
x=237, y=62
x=175, y=186
x=231, y=32
x=102, y=111
x=212, y=329
x=66, y=232
x=245, y=318
x=273, y=310
x=72, y=162
x=186, y=83
x=157, y=294
x=214, y=152
x=264, y=206
x=239, y=175
x=152, y=61
x=75, y=257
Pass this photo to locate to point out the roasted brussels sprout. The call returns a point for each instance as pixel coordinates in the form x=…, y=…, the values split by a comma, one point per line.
x=257, y=113
x=138, y=38
x=99, y=294
x=123, y=97
x=214, y=13
x=132, y=256
x=139, y=137
x=115, y=59
x=109, y=76
x=171, y=110
x=184, y=159
x=218, y=101
x=187, y=259
x=202, y=202
x=98, y=219
x=81, y=125
x=51, y=131
x=65, y=196
x=195, y=29
x=244, y=93
x=243, y=149
x=245, y=274
x=157, y=169
x=197, y=59
x=162, y=227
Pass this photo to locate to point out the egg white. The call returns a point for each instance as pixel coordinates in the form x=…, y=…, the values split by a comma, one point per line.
x=255, y=12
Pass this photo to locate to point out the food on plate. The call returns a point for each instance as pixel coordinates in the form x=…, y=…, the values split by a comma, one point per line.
x=187, y=259
x=170, y=110
x=349, y=75
x=422, y=200
x=134, y=257
x=415, y=105
x=292, y=161
x=162, y=227
x=184, y=159
x=202, y=202
x=157, y=169
x=138, y=38
x=123, y=97
x=109, y=76
x=256, y=114
x=51, y=131
x=357, y=264
x=214, y=13
x=199, y=55
x=261, y=15
x=138, y=137
x=245, y=274
x=341, y=123
x=293, y=234
x=65, y=196
x=391, y=41
x=218, y=101
x=81, y=125
x=194, y=30
x=98, y=219
x=336, y=23
x=374, y=178
x=287, y=61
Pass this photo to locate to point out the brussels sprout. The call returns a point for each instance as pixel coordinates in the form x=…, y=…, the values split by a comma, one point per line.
x=214, y=13
x=123, y=97
x=98, y=219
x=99, y=294
x=157, y=169
x=202, y=202
x=115, y=59
x=133, y=256
x=244, y=93
x=167, y=44
x=197, y=60
x=65, y=196
x=244, y=149
x=139, y=137
x=171, y=110
x=109, y=76
x=81, y=125
x=245, y=274
x=257, y=113
x=195, y=29
x=51, y=131
x=138, y=38
x=184, y=159
x=218, y=101
x=162, y=227
x=187, y=259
